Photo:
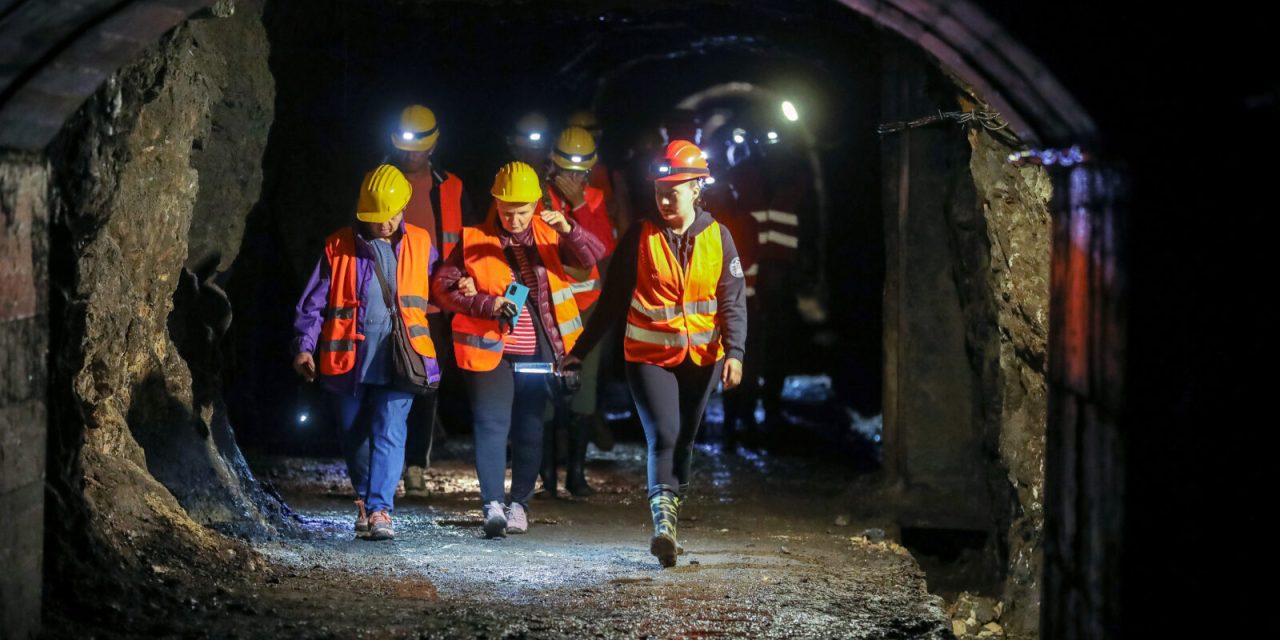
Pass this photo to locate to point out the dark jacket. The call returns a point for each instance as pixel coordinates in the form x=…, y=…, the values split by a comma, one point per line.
x=620, y=285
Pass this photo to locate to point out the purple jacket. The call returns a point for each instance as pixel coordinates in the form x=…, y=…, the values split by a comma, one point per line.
x=578, y=248
x=309, y=314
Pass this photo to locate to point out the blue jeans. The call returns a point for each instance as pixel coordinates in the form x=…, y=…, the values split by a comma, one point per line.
x=373, y=432
x=507, y=405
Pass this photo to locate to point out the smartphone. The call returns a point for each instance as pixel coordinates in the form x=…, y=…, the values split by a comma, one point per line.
x=517, y=294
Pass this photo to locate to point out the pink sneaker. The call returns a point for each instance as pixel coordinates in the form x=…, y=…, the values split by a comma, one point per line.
x=495, y=522
x=517, y=519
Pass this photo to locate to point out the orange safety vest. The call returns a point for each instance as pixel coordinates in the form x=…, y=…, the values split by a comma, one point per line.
x=477, y=343
x=585, y=283
x=673, y=311
x=450, y=214
x=338, y=337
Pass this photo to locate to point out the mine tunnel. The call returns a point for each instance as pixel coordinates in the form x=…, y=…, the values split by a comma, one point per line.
x=982, y=340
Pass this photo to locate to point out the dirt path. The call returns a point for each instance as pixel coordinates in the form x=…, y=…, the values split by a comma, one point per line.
x=763, y=559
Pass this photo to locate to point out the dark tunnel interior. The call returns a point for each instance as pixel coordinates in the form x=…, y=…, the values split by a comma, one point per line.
x=342, y=75
x=1033, y=269
x=972, y=373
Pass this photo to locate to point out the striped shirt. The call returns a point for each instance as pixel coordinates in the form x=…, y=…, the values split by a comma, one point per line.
x=524, y=338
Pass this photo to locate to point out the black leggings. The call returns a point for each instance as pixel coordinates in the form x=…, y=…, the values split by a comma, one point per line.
x=670, y=403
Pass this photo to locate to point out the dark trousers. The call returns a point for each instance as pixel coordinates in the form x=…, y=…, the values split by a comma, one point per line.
x=670, y=402
x=506, y=406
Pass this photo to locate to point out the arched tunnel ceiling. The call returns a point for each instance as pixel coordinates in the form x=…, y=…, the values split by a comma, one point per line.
x=55, y=53
x=52, y=58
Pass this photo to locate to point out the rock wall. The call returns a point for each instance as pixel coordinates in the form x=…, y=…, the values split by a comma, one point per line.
x=968, y=239
x=1015, y=204
x=154, y=177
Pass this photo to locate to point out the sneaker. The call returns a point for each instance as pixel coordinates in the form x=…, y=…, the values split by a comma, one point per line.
x=380, y=526
x=362, y=519
x=517, y=519
x=495, y=520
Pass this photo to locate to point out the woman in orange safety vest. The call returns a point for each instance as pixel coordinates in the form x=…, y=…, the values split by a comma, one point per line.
x=344, y=328
x=492, y=336
x=679, y=283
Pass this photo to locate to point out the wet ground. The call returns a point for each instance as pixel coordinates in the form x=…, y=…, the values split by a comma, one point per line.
x=764, y=558
x=769, y=554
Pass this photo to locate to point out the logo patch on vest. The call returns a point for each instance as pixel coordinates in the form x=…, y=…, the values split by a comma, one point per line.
x=735, y=268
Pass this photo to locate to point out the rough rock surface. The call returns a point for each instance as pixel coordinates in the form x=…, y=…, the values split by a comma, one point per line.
x=1014, y=204
x=158, y=166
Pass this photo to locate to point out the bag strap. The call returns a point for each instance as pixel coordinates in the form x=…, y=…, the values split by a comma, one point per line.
x=387, y=297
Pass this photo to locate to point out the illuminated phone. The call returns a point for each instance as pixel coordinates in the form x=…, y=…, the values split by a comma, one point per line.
x=517, y=294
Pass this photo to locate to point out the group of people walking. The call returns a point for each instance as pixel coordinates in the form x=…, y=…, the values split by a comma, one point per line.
x=406, y=295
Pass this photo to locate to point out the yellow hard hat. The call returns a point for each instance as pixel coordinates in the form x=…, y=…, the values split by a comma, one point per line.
x=531, y=131
x=383, y=194
x=585, y=119
x=516, y=182
x=575, y=150
x=418, y=130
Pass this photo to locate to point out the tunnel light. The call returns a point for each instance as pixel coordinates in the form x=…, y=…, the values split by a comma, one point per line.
x=535, y=136
x=773, y=136
x=789, y=110
x=576, y=158
x=711, y=180
x=739, y=136
x=302, y=418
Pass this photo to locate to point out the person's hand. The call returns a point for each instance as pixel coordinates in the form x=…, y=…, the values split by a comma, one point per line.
x=506, y=311
x=305, y=366
x=572, y=186
x=467, y=286
x=731, y=376
x=569, y=363
x=557, y=221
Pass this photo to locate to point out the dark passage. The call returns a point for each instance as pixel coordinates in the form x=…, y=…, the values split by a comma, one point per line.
x=943, y=390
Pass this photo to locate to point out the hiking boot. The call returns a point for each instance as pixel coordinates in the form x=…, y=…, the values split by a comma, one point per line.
x=663, y=504
x=575, y=480
x=414, y=478
x=362, y=519
x=380, y=526
x=600, y=433
x=517, y=519
x=495, y=520
x=679, y=500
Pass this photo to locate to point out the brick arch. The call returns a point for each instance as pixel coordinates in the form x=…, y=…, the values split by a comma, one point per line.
x=55, y=53
x=980, y=52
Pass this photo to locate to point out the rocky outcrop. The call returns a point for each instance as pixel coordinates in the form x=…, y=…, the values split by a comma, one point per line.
x=1013, y=202
x=154, y=177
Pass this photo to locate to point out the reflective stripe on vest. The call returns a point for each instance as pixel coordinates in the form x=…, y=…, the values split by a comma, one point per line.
x=477, y=344
x=778, y=227
x=336, y=348
x=673, y=310
x=450, y=214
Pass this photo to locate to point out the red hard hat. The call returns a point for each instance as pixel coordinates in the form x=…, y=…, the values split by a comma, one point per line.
x=682, y=161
